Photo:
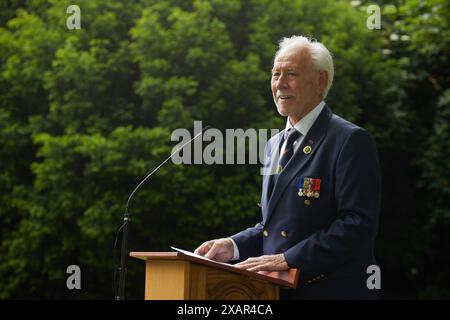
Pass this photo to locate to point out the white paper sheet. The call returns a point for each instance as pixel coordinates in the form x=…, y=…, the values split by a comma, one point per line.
x=188, y=253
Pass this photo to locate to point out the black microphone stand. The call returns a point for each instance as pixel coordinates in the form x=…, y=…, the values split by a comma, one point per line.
x=123, y=254
x=126, y=220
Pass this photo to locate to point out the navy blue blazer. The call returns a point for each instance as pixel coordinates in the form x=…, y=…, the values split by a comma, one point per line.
x=330, y=238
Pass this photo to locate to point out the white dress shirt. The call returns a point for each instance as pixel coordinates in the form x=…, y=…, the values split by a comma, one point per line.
x=303, y=127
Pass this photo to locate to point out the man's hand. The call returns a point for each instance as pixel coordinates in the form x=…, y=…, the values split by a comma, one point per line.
x=275, y=262
x=219, y=250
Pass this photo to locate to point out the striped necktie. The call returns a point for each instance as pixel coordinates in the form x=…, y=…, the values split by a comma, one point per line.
x=285, y=157
x=288, y=149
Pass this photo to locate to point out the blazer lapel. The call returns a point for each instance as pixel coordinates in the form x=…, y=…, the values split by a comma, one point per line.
x=299, y=159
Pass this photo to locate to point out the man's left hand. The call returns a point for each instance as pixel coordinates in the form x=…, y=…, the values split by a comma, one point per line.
x=275, y=262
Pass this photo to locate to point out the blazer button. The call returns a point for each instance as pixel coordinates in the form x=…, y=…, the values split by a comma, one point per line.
x=266, y=233
x=284, y=234
x=307, y=202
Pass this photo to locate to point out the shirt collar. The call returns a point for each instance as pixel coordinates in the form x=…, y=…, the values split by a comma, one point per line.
x=307, y=121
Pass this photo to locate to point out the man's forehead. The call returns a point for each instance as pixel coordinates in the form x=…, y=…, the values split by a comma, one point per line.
x=286, y=65
x=291, y=59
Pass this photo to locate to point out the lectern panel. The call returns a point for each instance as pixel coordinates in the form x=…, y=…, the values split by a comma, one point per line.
x=166, y=280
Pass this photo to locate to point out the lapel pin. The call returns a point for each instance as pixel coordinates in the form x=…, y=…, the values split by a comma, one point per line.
x=307, y=150
x=279, y=169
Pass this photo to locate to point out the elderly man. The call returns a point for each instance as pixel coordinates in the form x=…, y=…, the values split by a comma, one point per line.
x=320, y=206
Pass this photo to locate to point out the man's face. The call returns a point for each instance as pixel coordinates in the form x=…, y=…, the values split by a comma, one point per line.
x=296, y=86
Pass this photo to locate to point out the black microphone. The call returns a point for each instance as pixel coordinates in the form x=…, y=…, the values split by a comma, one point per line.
x=126, y=220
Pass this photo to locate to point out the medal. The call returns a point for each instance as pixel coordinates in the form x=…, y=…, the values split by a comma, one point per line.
x=309, y=187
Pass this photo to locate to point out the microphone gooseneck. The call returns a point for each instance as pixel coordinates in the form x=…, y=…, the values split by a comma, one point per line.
x=126, y=219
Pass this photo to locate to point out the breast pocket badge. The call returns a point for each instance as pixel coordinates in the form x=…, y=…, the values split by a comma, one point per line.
x=309, y=187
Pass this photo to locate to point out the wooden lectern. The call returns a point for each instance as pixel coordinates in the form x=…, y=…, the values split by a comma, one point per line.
x=178, y=276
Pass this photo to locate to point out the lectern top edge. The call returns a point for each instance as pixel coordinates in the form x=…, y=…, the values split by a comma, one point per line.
x=288, y=278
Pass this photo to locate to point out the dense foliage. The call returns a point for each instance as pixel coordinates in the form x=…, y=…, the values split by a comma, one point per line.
x=85, y=114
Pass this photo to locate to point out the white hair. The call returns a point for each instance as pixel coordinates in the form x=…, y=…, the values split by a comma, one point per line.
x=320, y=56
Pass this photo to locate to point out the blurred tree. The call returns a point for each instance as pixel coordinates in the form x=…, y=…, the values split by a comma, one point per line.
x=85, y=114
x=416, y=206
x=424, y=54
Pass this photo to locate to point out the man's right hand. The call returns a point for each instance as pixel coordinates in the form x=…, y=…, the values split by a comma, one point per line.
x=219, y=250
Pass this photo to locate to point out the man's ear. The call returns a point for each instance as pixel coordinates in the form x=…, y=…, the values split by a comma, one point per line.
x=323, y=80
